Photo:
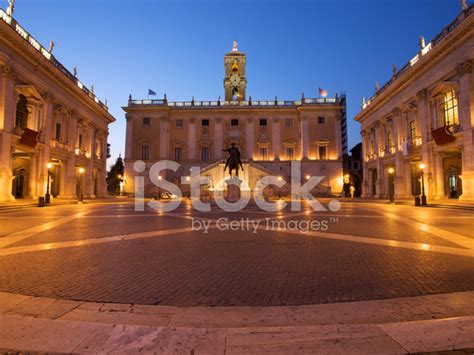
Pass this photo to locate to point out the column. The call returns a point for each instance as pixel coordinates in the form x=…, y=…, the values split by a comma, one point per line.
x=276, y=144
x=218, y=136
x=7, y=115
x=365, y=173
x=338, y=137
x=89, y=187
x=304, y=138
x=129, y=137
x=68, y=166
x=439, y=176
x=192, y=139
x=43, y=157
x=164, y=138
x=466, y=117
x=425, y=126
x=250, y=137
x=32, y=176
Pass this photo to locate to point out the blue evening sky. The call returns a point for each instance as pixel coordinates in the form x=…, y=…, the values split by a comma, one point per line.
x=176, y=47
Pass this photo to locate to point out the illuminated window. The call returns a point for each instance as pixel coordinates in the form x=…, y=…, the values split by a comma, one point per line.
x=146, y=121
x=263, y=152
x=179, y=123
x=451, y=109
x=204, y=153
x=412, y=130
x=288, y=122
x=290, y=153
x=322, y=149
x=178, y=154
x=145, y=152
x=21, y=118
x=389, y=140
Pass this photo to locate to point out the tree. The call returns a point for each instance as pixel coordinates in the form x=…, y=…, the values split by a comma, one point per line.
x=115, y=177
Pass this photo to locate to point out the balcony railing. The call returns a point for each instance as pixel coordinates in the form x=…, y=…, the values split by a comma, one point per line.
x=448, y=29
x=10, y=21
x=250, y=103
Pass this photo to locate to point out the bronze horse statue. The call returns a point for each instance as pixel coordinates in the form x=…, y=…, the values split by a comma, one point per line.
x=233, y=161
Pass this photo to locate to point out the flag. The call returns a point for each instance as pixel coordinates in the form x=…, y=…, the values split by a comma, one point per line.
x=323, y=93
x=151, y=92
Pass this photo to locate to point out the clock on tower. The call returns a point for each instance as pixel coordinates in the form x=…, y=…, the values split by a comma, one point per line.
x=234, y=81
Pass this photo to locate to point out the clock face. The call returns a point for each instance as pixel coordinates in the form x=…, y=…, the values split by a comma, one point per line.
x=235, y=80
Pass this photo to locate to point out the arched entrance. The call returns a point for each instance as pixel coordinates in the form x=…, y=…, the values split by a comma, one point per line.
x=19, y=183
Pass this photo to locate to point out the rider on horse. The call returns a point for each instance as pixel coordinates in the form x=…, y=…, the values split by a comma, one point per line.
x=233, y=161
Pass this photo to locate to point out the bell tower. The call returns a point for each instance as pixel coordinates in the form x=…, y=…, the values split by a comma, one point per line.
x=235, y=82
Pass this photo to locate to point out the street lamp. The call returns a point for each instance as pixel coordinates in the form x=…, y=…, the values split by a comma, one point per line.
x=423, y=196
x=81, y=171
x=390, y=184
x=48, y=196
x=279, y=188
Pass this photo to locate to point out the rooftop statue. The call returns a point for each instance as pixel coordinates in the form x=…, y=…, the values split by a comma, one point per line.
x=464, y=5
x=234, y=48
x=11, y=7
x=422, y=42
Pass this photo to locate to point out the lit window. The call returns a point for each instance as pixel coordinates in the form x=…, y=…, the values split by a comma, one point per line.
x=321, y=120
x=451, y=109
x=290, y=153
x=21, y=112
x=204, y=153
x=146, y=121
x=263, y=152
x=145, y=152
x=289, y=122
x=322, y=149
x=179, y=123
x=178, y=154
x=234, y=122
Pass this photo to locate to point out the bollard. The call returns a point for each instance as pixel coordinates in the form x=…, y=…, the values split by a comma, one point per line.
x=417, y=200
x=41, y=202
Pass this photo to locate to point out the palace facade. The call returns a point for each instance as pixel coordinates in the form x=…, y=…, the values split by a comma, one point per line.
x=422, y=120
x=50, y=123
x=270, y=134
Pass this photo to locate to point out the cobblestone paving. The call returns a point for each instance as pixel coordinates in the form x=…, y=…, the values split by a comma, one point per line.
x=234, y=268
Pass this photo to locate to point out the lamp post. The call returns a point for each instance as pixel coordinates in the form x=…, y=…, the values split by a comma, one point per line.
x=48, y=196
x=390, y=185
x=81, y=172
x=423, y=196
x=120, y=177
x=279, y=188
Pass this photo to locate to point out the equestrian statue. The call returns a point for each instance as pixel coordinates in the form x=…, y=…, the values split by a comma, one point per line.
x=233, y=161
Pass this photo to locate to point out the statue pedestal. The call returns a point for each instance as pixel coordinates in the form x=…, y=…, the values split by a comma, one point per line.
x=233, y=189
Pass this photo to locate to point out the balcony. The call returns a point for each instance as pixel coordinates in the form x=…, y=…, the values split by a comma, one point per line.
x=58, y=144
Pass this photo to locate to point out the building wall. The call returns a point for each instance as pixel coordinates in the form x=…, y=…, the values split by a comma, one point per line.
x=418, y=94
x=53, y=97
x=304, y=135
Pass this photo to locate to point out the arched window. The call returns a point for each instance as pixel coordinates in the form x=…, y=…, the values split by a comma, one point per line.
x=21, y=118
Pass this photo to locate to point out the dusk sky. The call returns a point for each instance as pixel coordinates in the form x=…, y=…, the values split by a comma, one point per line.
x=177, y=47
